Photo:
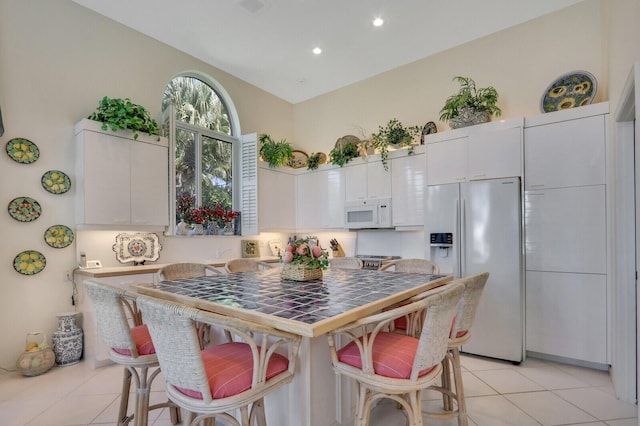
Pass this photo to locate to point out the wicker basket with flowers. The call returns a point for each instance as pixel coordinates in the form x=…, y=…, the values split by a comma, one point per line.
x=304, y=260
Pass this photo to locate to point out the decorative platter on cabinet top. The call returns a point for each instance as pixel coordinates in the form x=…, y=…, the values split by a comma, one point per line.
x=22, y=150
x=575, y=89
x=299, y=159
x=137, y=248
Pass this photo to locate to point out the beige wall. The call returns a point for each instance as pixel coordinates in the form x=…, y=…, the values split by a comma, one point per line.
x=519, y=62
x=58, y=59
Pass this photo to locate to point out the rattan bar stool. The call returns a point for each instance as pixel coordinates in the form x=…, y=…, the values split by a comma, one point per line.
x=459, y=334
x=212, y=383
x=129, y=345
x=245, y=265
x=392, y=365
x=346, y=263
x=415, y=266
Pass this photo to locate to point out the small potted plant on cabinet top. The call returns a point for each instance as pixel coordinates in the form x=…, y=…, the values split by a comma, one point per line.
x=122, y=114
x=470, y=105
x=396, y=135
x=275, y=153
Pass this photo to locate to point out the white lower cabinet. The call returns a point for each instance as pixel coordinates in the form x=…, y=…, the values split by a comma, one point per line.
x=566, y=315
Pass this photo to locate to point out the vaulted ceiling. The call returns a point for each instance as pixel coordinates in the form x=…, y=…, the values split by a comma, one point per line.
x=269, y=43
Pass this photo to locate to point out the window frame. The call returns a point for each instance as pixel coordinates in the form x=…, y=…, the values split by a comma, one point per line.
x=235, y=138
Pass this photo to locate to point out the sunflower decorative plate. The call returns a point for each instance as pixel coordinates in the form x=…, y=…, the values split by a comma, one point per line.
x=29, y=262
x=56, y=182
x=574, y=89
x=58, y=236
x=24, y=209
x=22, y=150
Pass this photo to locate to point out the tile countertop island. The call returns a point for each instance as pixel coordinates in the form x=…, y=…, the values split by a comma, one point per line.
x=317, y=396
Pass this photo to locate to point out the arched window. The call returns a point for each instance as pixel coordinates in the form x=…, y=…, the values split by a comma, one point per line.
x=206, y=164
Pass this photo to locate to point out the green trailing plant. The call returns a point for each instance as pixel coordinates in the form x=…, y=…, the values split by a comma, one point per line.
x=276, y=153
x=314, y=161
x=343, y=153
x=469, y=97
x=394, y=134
x=121, y=114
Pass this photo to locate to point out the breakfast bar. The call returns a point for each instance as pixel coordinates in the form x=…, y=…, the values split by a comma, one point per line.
x=316, y=397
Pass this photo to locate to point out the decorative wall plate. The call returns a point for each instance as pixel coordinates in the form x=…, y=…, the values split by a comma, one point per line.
x=56, y=182
x=137, y=248
x=22, y=150
x=575, y=89
x=24, y=209
x=299, y=159
x=29, y=262
x=58, y=236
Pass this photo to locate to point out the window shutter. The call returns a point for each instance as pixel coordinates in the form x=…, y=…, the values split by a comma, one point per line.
x=249, y=184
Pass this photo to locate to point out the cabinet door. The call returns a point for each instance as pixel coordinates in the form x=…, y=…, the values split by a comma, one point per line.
x=276, y=191
x=567, y=153
x=378, y=180
x=408, y=179
x=566, y=229
x=309, y=201
x=566, y=315
x=355, y=178
x=149, y=184
x=495, y=153
x=107, y=180
x=332, y=198
x=447, y=161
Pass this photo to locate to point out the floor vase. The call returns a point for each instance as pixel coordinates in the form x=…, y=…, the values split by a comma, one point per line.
x=67, y=340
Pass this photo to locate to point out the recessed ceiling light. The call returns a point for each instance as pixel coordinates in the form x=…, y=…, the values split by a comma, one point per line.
x=378, y=22
x=317, y=50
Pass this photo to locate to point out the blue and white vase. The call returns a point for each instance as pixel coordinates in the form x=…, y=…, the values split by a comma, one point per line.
x=67, y=340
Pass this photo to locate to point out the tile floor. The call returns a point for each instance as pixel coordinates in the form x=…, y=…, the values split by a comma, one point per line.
x=498, y=393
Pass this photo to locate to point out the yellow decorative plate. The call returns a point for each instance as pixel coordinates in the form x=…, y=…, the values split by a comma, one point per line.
x=22, y=150
x=56, y=182
x=58, y=236
x=29, y=262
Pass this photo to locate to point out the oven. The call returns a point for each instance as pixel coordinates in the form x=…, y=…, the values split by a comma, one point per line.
x=374, y=262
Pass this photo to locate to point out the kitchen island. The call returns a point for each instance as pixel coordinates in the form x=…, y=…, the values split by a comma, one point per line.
x=316, y=397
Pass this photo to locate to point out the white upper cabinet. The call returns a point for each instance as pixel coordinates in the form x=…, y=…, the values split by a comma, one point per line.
x=320, y=199
x=120, y=181
x=408, y=179
x=569, y=153
x=277, y=200
x=367, y=180
x=485, y=151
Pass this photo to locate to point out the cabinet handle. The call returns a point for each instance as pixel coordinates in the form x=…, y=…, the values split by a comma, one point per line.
x=460, y=178
x=537, y=185
x=535, y=193
x=480, y=176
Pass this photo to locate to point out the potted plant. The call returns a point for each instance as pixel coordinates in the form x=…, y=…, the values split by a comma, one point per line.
x=470, y=105
x=276, y=153
x=121, y=114
x=314, y=160
x=345, y=150
x=394, y=134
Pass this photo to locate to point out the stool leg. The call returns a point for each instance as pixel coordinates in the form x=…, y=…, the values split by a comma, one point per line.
x=446, y=382
x=124, y=398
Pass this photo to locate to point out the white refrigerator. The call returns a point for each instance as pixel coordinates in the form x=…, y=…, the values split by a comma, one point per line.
x=474, y=227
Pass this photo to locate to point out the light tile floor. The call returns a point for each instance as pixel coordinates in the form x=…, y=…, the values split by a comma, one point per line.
x=498, y=393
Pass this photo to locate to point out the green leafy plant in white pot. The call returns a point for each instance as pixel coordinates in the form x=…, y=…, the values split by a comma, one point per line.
x=396, y=135
x=470, y=105
x=121, y=114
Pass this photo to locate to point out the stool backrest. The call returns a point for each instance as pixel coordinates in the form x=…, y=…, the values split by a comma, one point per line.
x=466, y=311
x=176, y=271
x=345, y=263
x=415, y=266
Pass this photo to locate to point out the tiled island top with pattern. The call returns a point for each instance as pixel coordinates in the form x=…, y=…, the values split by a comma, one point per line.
x=308, y=308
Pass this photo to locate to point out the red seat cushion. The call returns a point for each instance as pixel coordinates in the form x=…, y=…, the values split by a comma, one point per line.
x=229, y=369
x=142, y=339
x=400, y=323
x=393, y=355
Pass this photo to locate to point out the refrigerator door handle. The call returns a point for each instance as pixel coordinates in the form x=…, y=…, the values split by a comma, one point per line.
x=463, y=238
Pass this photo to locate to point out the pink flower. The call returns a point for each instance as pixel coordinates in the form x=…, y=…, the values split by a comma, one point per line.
x=303, y=249
x=287, y=257
x=290, y=248
x=317, y=251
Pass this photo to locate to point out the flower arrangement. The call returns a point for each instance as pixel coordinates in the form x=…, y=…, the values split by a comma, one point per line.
x=302, y=252
x=203, y=215
x=223, y=216
x=184, y=206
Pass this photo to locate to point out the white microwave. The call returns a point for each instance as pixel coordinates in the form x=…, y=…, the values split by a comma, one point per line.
x=368, y=214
